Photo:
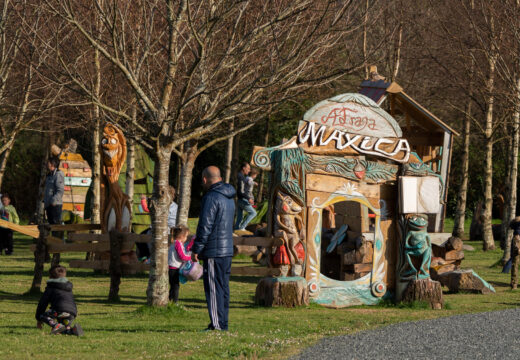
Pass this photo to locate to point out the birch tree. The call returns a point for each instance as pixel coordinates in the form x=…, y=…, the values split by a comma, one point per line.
x=204, y=63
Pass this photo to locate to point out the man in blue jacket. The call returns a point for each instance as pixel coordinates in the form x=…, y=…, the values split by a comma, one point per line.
x=214, y=244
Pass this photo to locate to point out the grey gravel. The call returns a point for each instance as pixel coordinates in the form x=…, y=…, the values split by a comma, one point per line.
x=491, y=335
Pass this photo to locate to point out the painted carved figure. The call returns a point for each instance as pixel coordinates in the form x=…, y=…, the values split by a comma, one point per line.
x=417, y=245
x=115, y=207
x=287, y=221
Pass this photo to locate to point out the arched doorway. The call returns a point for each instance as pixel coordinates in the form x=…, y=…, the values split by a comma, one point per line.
x=366, y=289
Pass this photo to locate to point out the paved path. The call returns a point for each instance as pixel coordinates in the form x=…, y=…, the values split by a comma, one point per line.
x=491, y=335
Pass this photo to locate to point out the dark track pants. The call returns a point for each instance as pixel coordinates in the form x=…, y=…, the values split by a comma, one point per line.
x=6, y=241
x=173, y=276
x=216, y=286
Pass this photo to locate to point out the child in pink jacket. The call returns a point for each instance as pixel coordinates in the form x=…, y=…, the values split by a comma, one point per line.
x=178, y=254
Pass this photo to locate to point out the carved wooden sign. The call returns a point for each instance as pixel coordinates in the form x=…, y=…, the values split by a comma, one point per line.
x=354, y=114
x=315, y=138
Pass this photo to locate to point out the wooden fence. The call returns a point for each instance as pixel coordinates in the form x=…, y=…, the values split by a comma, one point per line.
x=77, y=242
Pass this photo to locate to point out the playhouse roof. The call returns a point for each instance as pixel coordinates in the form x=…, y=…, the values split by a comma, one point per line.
x=355, y=113
x=378, y=91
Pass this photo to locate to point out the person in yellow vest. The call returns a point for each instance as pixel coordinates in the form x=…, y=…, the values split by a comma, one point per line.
x=7, y=213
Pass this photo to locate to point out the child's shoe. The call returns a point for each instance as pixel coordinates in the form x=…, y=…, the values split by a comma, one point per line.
x=58, y=329
x=77, y=330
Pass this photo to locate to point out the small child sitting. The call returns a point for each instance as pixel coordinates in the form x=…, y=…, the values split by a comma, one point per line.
x=62, y=311
x=7, y=213
x=178, y=255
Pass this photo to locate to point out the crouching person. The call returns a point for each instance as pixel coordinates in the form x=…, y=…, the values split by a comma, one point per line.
x=62, y=312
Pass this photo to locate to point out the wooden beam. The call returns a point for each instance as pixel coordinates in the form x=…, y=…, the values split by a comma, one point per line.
x=255, y=271
x=90, y=264
x=103, y=246
x=75, y=227
x=257, y=241
x=88, y=237
x=29, y=230
x=105, y=264
x=53, y=240
x=138, y=238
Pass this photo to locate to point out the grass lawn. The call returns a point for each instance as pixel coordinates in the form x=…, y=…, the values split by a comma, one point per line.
x=130, y=330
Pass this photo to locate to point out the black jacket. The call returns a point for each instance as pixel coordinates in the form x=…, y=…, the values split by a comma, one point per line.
x=59, y=295
x=215, y=230
x=241, y=187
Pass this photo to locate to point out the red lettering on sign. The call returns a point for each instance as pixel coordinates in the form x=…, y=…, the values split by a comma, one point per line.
x=345, y=117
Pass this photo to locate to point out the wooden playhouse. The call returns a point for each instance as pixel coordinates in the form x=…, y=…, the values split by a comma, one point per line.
x=351, y=201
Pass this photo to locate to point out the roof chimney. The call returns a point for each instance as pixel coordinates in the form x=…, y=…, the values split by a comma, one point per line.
x=373, y=75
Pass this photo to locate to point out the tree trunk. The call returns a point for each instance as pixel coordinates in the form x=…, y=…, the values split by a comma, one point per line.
x=3, y=161
x=157, y=291
x=365, y=54
x=236, y=160
x=460, y=212
x=229, y=155
x=95, y=216
x=397, y=52
x=179, y=169
x=190, y=155
x=39, y=214
x=262, y=173
x=130, y=171
x=501, y=198
x=489, y=243
x=511, y=203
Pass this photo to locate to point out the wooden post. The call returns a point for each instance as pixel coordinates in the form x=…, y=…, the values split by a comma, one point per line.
x=115, y=264
x=39, y=257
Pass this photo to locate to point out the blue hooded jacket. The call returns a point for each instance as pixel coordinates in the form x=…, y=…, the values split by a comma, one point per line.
x=215, y=230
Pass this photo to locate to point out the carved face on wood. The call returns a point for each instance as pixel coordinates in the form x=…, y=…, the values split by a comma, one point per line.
x=286, y=205
x=113, y=151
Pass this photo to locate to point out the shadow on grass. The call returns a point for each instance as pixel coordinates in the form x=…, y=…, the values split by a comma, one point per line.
x=499, y=283
x=29, y=295
x=103, y=300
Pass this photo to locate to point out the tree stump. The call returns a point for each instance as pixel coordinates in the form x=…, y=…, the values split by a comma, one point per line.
x=425, y=290
x=282, y=291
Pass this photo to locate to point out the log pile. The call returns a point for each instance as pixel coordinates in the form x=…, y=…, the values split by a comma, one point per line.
x=446, y=257
x=357, y=254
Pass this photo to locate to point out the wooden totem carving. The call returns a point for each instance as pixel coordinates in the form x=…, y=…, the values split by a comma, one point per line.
x=115, y=207
x=415, y=252
x=288, y=225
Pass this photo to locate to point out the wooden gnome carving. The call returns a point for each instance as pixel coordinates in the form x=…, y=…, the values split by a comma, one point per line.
x=115, y=207
x=287, y=221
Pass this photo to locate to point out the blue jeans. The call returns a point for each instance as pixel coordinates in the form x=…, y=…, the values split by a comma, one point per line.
x=244, y=205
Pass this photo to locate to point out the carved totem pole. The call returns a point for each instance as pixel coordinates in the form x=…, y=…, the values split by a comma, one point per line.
x=115, y=206
x=286, y=223
x=415, y=255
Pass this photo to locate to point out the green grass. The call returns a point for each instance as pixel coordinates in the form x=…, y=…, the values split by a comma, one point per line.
x=130, y=330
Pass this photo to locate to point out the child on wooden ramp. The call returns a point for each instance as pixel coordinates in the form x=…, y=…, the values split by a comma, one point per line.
x=62, y=311
x=7, y=213
x=179, y=261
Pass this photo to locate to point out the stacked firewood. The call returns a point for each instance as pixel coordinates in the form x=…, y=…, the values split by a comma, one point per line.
x=446, y=257
x=357, y=254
